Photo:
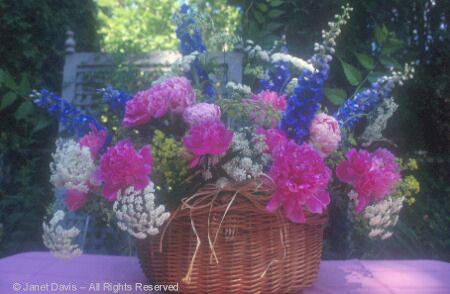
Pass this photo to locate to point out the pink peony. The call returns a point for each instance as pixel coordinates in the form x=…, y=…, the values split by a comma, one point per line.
x=178, y=91
x=274, y=137
x=270, y=98
x=301, y=179
x=94, y=140
x=373, y=176
x=143, y=107
x=121, y=167
x=325, y=134
x=210, y=137
x=201, y=112
x=76, y=200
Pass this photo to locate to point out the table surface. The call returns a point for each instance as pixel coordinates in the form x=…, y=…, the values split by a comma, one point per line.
x=102, y=273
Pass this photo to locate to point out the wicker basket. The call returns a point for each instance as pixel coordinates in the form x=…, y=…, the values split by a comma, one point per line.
x=256, y=252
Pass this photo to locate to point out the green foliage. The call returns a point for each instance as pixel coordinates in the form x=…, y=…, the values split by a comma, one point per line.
x=144, y=26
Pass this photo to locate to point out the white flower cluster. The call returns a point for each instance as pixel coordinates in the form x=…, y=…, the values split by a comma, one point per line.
x=183, y=64
x=256, y=51
x=136, y=212
x=72, y=166
x=298, y=63
x=329, y=37
x=251, y=160
x=378, y=122
x=398, y=77
x=290, y=87
x=239, y=88
x=383, y=216
x=59, y=240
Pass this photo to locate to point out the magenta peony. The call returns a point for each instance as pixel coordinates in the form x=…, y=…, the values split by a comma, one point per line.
x=372, y=176
x=121, y=167
x=143, y=107
x=178, y=91
x=76, y=200
x=274, y=137
x=325, y=134
x=263, y=105
x=270, y=98
x=210, y=137
x=201, y=112
x=301, y=179
x=94, y=140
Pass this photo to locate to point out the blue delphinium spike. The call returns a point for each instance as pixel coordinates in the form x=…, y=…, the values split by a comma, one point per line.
x=279, y=76
x=115, y=98
x=73, y=120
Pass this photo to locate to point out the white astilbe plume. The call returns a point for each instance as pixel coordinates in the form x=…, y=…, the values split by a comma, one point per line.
x=137, y=213
x=59, y=240
x=298, y=63
x=72, y=166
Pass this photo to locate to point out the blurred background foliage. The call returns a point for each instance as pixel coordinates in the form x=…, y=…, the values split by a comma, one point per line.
x=381, y=34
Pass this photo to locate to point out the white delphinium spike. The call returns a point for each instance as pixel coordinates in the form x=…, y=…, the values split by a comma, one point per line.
x=137, y=213
x=72, y=166
x=59, y=240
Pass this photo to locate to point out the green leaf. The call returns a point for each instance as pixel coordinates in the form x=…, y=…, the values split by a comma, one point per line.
x=259, y=16
x=335, y=95
x=392, y=45
x=41, y=124
x=263, y=7
x=24, y=86
x=381, y=33
x=365, y=60
x=24, y=110
x=273, y=26
x=352, y=74
x=8, y=81
x=276, y=3
x=275, y=13
x=8, y=99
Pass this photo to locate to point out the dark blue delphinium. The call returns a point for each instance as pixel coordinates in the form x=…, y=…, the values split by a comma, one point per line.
x=190, y=41
x=115, y=98
x=73, y=120
x=279, y=76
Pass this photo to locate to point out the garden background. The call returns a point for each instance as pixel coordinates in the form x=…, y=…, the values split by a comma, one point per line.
x=380, y=34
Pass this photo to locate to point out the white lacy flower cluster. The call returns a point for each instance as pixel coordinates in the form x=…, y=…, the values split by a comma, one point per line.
x=59, y=240
x=137, y=214
x=239, y=88
x=251, y=159
x=298, y=63
x=329, y=37
x=382, y=216
x=72, y=166
x=183, y=64
x=256, y=51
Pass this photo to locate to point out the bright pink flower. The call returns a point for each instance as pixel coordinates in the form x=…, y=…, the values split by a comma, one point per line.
x=94, y=140
x=263, y=105
x=325, y=133
x=301, y=179
x=270, y=98
x=372, y=176
x=274, y=137
x=210, y=137
x=76, y=200
x=121, y=167
x=201, y=112
x=144, y=106
x=178, y=91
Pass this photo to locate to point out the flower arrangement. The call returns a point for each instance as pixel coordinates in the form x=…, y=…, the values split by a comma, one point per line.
x=183, y=133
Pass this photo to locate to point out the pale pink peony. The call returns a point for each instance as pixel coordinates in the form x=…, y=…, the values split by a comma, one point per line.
x=274, y=137
x=144, y=106
x=121, y=167
x=94, y=140
x=372, y=176
x=325, y=134
x=76, y=200
x=178, y=91
x=210, y=137
x=201, y=112
x=301, y=179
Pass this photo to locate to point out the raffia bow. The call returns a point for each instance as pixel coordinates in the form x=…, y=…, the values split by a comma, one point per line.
x=257, y=192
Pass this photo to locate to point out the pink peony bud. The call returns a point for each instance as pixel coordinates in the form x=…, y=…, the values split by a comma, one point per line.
x=325, y=134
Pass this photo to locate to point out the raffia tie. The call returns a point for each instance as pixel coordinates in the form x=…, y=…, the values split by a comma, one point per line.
x=206, y=197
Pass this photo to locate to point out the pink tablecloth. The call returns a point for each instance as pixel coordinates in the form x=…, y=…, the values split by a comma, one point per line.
x=38, y=272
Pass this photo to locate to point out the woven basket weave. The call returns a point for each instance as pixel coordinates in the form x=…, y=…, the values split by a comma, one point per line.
x=257, y=252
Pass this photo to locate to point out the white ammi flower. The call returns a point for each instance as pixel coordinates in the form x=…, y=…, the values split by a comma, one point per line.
x=59, y=240
x=137, y=213
x=72, y=166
